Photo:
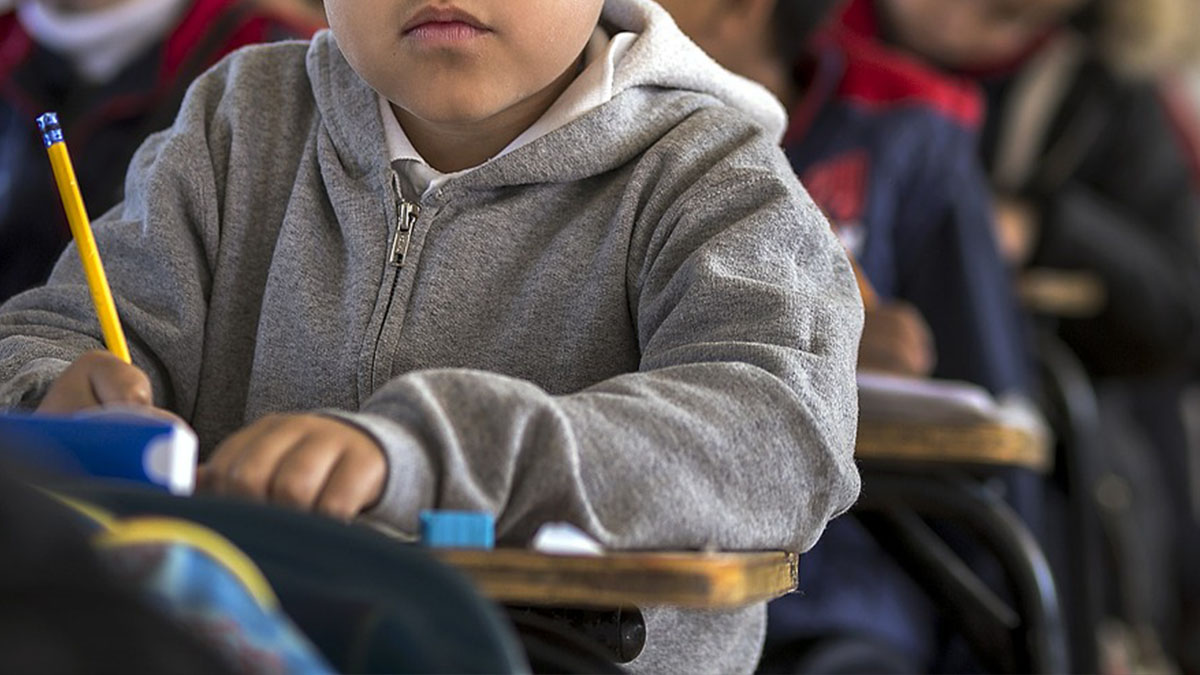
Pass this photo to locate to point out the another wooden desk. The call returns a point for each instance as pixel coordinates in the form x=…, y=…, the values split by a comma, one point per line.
x=693, y=580
x=987, y=444
x=1062, y=293
x=914, y=472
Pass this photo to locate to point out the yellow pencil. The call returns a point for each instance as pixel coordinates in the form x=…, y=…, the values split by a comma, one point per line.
x=869, y=297
x=81, y=230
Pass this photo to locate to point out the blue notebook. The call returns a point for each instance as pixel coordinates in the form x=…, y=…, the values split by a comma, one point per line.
x=106, y=444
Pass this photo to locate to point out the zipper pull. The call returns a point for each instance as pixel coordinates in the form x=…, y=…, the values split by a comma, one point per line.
x=406, y=218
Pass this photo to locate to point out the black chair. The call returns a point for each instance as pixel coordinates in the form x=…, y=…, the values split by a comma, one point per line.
x=1070, y=406
x=1023, y=635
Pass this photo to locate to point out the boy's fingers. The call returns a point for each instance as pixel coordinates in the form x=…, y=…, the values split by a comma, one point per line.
x=204, y=478
x=63, y=399
x=244, y=463
x=302, y=472
x=355, y=483
x=300, y=463
x=217, y=466
x=251, y=472
x=94, y=379
x=114, y=381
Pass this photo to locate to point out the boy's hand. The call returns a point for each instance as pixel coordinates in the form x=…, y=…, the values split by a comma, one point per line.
x=896, y=340
x=305, y=461
x=96, y=379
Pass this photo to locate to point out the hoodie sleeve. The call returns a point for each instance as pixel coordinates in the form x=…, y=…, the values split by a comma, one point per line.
x=738, y=429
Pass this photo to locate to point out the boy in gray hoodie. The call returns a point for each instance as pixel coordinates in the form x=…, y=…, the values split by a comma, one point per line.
x=542, y=258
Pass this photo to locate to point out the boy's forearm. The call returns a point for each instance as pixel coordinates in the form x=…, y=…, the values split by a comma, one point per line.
x=715, y=454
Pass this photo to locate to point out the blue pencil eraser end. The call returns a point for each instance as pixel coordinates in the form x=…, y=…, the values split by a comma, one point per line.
x=458, y=529
x=50, y=128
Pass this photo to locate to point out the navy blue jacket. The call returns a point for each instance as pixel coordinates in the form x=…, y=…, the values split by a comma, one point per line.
x=889, y=149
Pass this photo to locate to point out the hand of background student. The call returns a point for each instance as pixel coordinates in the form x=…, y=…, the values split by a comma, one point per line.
x=1016, y=230
x=896, y=340
x=308, y=462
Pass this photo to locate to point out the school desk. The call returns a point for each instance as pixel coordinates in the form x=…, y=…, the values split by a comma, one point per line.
x=973, y=445
x=916, y=471
x=1068, y=294
x=699, y=580
x=294, y=548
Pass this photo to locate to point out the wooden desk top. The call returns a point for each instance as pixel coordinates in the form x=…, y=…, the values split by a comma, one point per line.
x=978, y=444
x=686, y=579
x=1062, y=293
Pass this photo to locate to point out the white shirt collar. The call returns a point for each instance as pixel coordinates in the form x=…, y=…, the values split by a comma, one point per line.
x=590, y=90
x=100, y=43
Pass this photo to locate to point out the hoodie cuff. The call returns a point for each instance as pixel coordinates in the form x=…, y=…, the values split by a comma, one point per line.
x=27, y=389
x=409, y=486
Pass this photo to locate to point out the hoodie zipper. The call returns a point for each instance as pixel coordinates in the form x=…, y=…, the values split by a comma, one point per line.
x=406, y=218
x=397, y=252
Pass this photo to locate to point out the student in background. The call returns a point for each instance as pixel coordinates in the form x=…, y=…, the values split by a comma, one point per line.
x=115, y=71
x=435, y=260
x=886, y=146
x=1093, y=176
x=1088, y=162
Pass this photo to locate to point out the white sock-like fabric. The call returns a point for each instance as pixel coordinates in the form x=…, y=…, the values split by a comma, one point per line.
x=102, y=42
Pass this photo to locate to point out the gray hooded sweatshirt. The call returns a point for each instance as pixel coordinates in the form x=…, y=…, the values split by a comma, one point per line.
x=638, y=323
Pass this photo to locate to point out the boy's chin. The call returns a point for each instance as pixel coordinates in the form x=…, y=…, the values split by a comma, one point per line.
x=456, y=116
x=456, y=111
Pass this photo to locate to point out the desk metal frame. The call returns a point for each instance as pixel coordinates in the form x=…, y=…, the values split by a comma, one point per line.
x=1027, y=637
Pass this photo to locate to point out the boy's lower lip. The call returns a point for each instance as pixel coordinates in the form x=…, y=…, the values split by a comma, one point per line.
x=446, y=32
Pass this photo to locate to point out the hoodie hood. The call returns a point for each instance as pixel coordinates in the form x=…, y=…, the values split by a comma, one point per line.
x=662, y=78
x=662, y=56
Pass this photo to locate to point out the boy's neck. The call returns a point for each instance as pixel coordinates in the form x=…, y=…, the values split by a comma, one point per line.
x=451, y=147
